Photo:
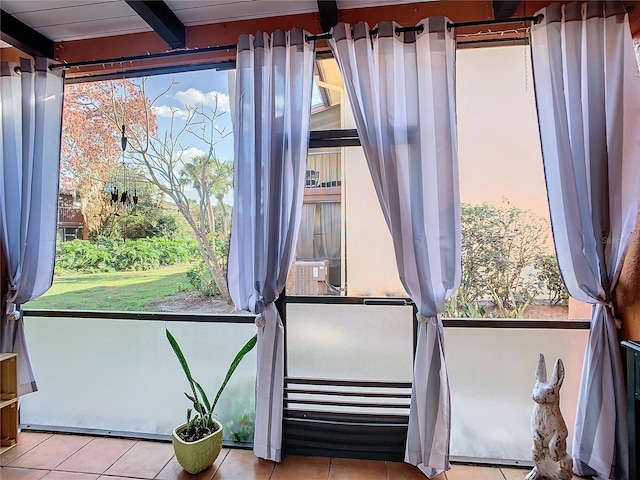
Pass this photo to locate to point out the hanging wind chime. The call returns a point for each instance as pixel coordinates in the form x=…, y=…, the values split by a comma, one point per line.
x=124, y=181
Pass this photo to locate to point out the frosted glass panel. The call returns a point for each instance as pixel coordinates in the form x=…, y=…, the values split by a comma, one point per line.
x=492, y=373
x=122, y=374
x=350, y=342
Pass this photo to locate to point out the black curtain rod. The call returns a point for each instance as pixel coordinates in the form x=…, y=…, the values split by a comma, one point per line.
x=322, y=36
x=450, y=25
x=150, y=56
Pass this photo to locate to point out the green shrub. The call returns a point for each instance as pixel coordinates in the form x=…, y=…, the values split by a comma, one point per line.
x=83, y=256
x=457, y=307
x=549, y=274
x=105, y=254
x=200, y=280
x=145, y=220
x=500, y=248
x=242, y=429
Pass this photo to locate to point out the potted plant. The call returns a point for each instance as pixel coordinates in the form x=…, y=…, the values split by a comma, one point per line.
x=197, y=443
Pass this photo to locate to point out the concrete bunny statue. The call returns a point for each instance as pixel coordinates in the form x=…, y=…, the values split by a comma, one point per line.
x=549, y=451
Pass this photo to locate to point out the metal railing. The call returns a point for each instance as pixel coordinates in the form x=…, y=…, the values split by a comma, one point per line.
x=70, y=215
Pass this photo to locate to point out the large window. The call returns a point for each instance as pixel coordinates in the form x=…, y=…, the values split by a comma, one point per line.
x=157, y=216
x=509, y=266
x=145, y=203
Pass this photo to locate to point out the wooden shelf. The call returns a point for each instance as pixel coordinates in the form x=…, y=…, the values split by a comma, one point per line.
x=8, y=401
x=5, y=403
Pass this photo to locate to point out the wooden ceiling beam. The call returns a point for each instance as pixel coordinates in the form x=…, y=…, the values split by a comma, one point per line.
x=163, y=21
x=226, y=33
x=328, y=10
x=23, y=37
x=504, y=9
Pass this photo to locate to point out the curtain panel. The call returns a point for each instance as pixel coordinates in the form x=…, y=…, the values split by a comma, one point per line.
x=31, y=126
x=330, y=222
x=304, y=248
x=274, y=77
x=588, y=97
x=401, y=87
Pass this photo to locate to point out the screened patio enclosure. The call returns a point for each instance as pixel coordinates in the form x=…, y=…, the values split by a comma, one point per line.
x=364, y=333
x=349, y=341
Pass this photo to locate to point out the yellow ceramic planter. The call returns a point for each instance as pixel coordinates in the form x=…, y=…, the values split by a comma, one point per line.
x=197, y=456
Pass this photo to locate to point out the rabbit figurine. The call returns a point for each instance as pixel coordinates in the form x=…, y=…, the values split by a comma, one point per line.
x=549, y=451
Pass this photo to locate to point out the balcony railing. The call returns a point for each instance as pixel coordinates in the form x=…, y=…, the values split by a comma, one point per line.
x=115, y=372
x=70, y=215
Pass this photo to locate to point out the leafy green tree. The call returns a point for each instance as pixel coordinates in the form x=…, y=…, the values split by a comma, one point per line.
x=551, y=280
x=500, y=247
x=211, y=178
x=502, y=251
x=92, y=118
x=148, y=218
x=163, y=157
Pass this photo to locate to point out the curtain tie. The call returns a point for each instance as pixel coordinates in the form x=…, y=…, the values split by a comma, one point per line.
x=260, y=321
x=13, y=313
x=422, y=319
x=609, y=305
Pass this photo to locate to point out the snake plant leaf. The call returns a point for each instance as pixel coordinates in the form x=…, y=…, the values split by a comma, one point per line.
x=185, y=366
x=196, y=404
x=234, y=364
x=204, y=397
x=180, y=355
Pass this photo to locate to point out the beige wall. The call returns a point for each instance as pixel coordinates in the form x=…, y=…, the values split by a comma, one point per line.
x=498, y=140
x=369, y=258
x=499, y=155
x=371, y=265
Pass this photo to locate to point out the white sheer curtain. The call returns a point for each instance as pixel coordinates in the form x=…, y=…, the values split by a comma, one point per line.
x=31, y=125
x=588, y=96
x=330, y=221
x=402, y=91
x=304, y=247
x=271, y=127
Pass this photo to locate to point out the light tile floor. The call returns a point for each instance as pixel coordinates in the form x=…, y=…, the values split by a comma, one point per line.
x=75, y=457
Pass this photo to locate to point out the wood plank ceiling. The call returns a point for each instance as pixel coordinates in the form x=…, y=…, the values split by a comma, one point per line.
x=81, y=30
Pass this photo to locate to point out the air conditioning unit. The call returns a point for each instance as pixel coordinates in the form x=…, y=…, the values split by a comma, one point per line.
x=308, y=277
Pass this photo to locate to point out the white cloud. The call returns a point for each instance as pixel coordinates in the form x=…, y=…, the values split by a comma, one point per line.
x=195, y=97
x=167, y=111
x=189, y=153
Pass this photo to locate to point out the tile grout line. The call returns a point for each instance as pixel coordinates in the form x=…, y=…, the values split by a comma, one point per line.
x=116, y=460
x=92, y=439
x=26, y=451
x=215, y=472
x=161, y=468
x=48, y=470
x=68, y=457
x=226, y=455
x=272, y=470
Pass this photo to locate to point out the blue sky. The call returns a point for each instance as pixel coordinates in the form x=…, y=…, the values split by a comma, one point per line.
x=201, y=87
x=193, y=88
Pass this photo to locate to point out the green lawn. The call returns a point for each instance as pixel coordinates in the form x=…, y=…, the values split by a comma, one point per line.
x=119, y=291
